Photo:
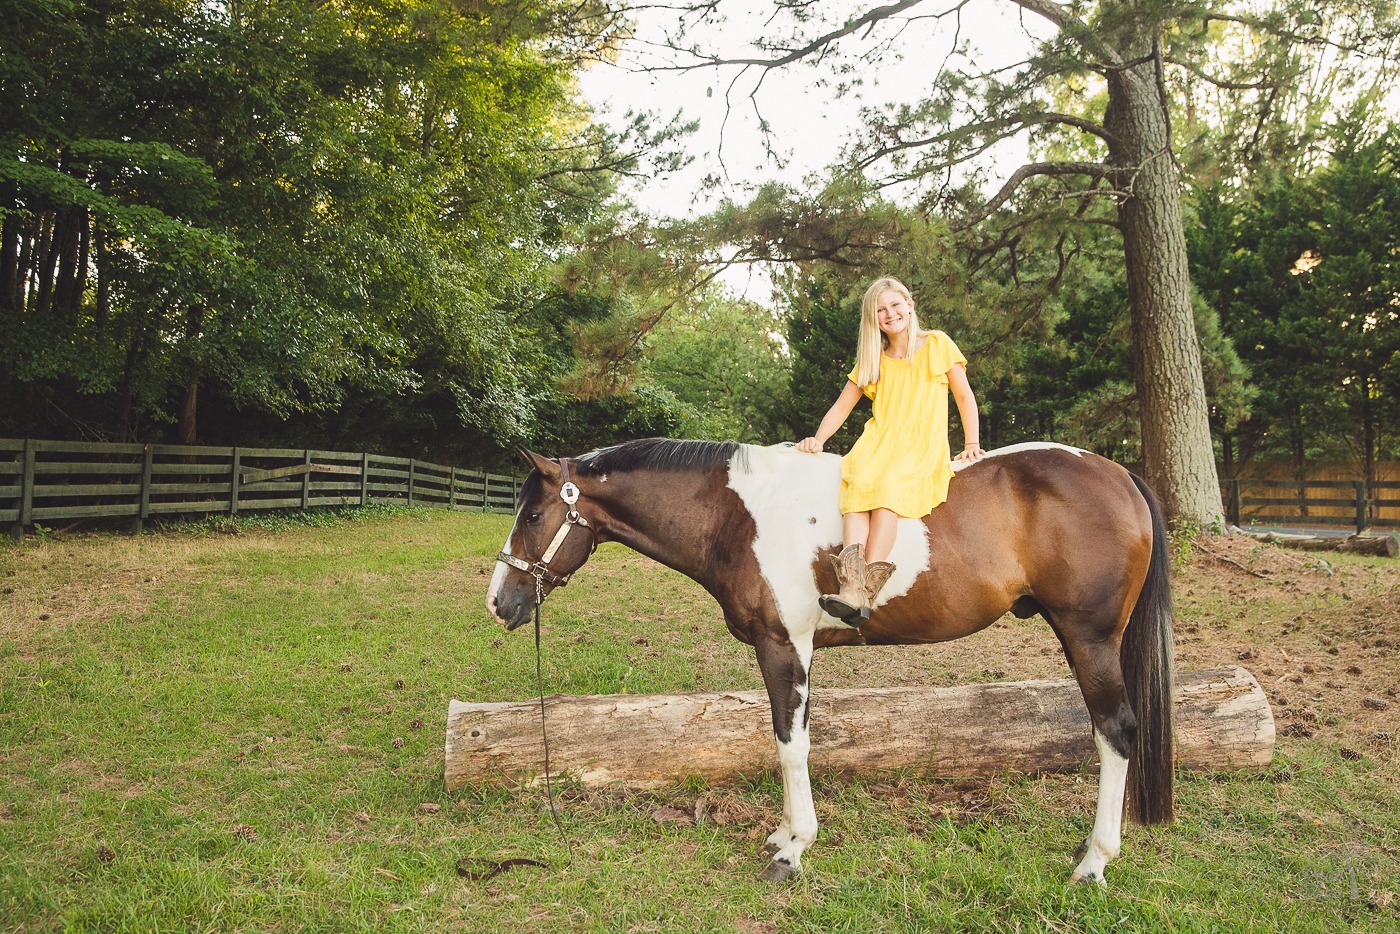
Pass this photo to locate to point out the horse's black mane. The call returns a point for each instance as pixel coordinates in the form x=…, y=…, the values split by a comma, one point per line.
x=656, y=454
x=645, y=454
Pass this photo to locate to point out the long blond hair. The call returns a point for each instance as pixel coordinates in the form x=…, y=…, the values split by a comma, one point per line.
x=872, y=340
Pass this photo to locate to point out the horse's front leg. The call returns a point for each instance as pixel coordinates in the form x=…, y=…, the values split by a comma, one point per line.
x=785, y=667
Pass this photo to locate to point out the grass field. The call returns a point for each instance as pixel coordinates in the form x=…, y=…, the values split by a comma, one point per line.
x=240, y=729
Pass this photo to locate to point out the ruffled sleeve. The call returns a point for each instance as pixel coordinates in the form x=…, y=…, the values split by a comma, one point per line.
x=941, y=355
x=868, y=389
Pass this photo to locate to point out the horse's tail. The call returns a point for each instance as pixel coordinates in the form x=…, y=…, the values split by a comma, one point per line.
x=1146, y=657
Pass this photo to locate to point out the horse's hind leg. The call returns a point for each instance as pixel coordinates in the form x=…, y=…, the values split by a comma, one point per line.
x=1095, y=662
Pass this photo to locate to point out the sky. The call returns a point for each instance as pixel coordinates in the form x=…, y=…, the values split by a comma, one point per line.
x=809, y=123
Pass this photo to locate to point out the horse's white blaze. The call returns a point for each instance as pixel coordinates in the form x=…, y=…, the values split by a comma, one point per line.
x=497, y=578
x=793, y=500
x=1017, y=449
x=1107, y=835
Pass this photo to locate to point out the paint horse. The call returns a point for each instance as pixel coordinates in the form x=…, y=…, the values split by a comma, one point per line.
x=1031, y=528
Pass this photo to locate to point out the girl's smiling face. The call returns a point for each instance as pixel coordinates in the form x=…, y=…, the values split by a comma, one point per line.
x=892, y=312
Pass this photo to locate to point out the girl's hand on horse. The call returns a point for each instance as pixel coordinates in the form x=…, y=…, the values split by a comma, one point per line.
x=809, y=446
x=973, y=452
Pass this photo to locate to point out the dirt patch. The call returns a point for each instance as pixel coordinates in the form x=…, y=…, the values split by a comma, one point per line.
x=1321, y=635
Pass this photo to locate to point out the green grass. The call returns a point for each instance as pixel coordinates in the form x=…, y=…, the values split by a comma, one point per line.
x=198, y=733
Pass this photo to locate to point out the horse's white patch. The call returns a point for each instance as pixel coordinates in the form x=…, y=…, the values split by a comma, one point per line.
x=1106, y=837
x=498, y=578
x=1017, y=449
x=793, y=500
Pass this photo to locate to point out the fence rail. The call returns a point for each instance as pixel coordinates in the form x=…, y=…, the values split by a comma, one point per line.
x=1348, y=503
x=47, y=480
x=42, y=481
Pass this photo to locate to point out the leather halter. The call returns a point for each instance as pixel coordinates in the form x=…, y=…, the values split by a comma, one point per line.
x=540, y=571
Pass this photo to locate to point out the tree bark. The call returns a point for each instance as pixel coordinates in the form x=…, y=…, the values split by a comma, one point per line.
x=1178, y=456
x=189, y=407
x=9, y=262
x=104, y=282
x=1223, y=721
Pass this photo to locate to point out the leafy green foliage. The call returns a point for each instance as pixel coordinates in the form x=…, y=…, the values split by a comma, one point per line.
x=295, y=207
x=1303, y=273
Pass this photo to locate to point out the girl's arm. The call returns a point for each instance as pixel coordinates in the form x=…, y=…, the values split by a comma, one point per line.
x=967, y=409
x=835, y=417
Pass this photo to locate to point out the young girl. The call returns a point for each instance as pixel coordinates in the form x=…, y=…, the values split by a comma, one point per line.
x=900, y=466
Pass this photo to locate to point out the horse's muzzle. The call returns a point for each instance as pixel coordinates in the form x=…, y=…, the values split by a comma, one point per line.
x=511, y=613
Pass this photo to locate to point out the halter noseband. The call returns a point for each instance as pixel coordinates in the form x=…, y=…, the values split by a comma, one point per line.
x=540, y=569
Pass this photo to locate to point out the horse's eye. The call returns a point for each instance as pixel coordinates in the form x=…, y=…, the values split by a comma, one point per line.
x=532, y=517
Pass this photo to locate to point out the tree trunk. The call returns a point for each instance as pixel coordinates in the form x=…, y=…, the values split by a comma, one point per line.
x=9, y=263
x=104, y=283
x=1178, y=457
x=67, y=244
x=189, y=406
x=1223, y=721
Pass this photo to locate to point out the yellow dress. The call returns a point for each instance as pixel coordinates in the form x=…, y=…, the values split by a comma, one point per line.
x=902, y=461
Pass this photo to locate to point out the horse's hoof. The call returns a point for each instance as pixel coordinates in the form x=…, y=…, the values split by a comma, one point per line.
x=779, y=870
x=1089, y=878
x=769, y=850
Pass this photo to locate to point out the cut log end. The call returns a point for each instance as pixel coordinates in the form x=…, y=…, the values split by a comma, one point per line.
x=1223, y=721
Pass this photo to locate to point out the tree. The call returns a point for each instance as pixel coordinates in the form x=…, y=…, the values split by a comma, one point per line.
x=1304, y=272
x=259, y=210
x=722, y=359
x=1129, y=46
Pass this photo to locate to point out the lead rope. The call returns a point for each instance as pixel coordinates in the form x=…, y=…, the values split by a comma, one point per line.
x=544, y=732
x=489, y=869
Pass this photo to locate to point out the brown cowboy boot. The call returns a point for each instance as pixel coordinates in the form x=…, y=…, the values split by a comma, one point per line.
x=851, y=605
x=876, y=574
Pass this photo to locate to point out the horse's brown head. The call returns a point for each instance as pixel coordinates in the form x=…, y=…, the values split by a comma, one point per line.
x=550, y=540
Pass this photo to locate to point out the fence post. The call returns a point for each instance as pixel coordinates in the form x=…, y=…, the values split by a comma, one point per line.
x=364, y=479
x=412, y=463
x=1360, y=506
x=452, y=488
x=26, y=490
x=1233, y=509
x=234, y=481
x=148, y=458
x=306, y=482
x=485, y=491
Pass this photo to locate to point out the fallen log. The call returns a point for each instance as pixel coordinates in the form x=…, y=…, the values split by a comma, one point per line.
x=1384, y=546
x=1223, y=721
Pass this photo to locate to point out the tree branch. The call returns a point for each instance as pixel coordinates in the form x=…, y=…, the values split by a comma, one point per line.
x=869, y=19
x=1367, y=46
x=1010, y=125
x=1069, y=24
x=1093, y=169
x=1218, y=82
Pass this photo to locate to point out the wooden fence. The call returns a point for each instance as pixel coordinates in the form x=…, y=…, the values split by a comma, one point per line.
x=1350, y=503
x=43, y=481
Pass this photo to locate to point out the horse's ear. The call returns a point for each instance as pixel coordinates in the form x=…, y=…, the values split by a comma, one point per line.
x=541, y=463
